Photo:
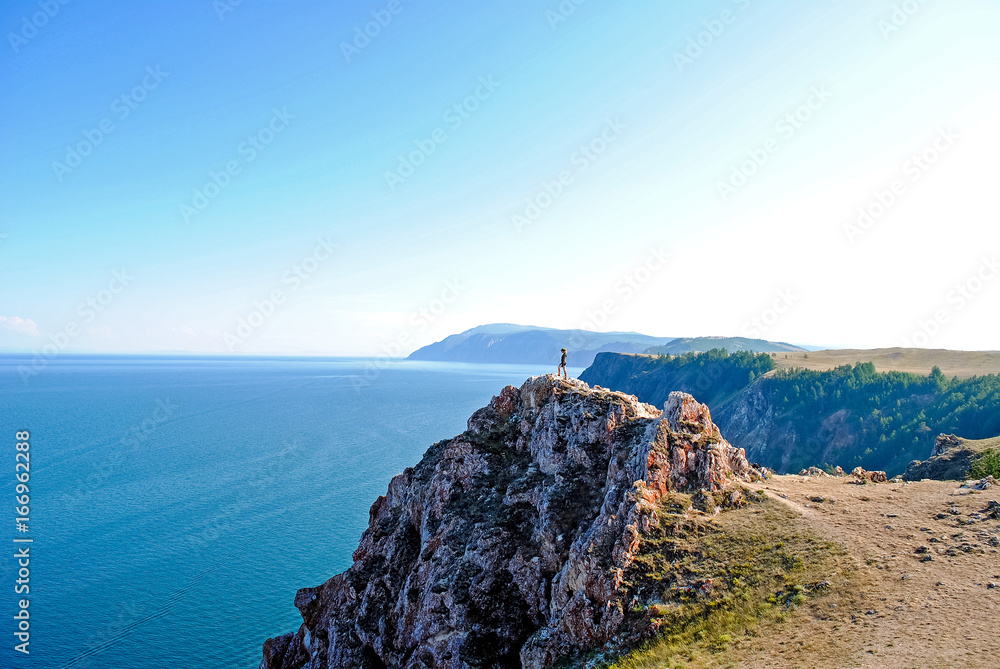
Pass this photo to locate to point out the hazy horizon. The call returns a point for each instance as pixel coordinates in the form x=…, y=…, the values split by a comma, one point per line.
x=810, y=346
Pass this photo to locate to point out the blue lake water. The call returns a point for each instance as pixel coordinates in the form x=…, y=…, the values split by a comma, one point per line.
x=177, y=504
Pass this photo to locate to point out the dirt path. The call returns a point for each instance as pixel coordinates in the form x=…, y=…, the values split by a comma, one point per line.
x=933, y=608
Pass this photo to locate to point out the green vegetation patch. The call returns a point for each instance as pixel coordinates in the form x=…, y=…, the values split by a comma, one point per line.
x=894, y=417
x=706, y=583
x=852, y=415
x=986, y=464
x=712, y=377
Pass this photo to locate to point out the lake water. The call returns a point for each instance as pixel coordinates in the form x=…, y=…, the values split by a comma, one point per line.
x=177, y=504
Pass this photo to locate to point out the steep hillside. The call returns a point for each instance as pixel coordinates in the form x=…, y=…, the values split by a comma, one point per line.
x=714, y=377
x=790, y=419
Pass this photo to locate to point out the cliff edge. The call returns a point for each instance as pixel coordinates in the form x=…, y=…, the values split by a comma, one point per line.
x=951, y=458
x=508, y=545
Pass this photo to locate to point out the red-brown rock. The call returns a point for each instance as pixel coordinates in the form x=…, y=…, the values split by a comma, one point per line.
x=506, y=546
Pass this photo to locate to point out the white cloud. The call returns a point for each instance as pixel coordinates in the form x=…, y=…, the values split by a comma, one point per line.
x=18, y=324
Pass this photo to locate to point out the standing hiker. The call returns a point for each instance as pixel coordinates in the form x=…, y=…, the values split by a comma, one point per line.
x=561, y=371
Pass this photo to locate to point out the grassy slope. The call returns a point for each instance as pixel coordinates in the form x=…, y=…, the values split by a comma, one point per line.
x=911, y=595
x=762, y=562
x=962, y=364
x=980, y=445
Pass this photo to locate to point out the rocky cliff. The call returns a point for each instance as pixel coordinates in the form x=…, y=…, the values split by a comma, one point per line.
x=509, y=545
x=951, y=458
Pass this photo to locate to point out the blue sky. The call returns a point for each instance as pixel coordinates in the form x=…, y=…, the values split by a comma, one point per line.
x=249, y=172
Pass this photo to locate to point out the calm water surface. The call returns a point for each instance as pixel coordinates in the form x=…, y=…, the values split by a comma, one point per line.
x=178, y=504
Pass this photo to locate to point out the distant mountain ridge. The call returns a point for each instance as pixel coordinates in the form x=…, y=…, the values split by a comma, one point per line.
x=731, y=344
x=526, y=344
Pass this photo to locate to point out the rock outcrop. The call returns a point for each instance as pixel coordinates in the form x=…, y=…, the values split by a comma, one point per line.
x=944, y=443
x=507, y=545
x=950, y=459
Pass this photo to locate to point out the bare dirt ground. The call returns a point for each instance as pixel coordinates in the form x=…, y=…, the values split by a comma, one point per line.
x=924, y=555
x=962, y=364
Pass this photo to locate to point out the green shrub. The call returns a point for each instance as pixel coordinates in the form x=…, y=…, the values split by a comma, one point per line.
x=987, y=464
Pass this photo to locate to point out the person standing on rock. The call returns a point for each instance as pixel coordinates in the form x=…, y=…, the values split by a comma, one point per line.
x=561, y=371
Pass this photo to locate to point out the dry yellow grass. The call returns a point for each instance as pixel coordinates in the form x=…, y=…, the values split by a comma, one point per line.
x=913, y=589
x=764, y=562
x=928, y=554
x=980, y=445
x=962, y=364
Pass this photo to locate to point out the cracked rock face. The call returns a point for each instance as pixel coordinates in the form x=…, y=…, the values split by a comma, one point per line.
x=506, y=546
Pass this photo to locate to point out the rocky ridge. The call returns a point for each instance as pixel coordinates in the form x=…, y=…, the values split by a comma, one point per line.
x=950, y=458
x=507, y=545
